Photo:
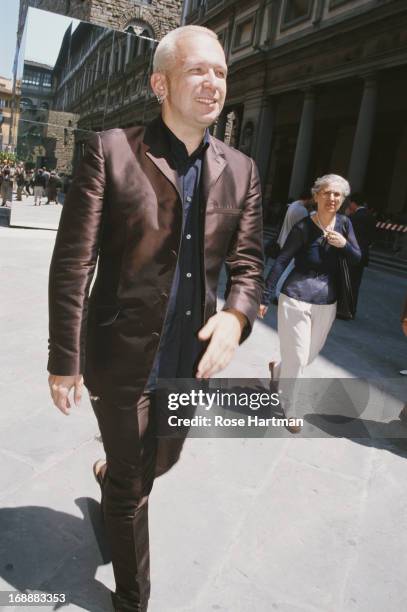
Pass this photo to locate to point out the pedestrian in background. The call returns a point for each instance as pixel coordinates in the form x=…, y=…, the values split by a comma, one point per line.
x=39, y=186
x=54, y=184
x=307, y=303
x=29, y=182
x=403, y=413
x=6, y=189
x=20, y=180
x=364, y=226
x=297, y=210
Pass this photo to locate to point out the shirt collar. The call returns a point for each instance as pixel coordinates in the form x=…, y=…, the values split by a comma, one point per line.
x=178, y=150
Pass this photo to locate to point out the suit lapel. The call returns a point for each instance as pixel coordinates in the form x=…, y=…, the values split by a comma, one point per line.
x=213, y=166
x=168, y=172
x=156, y=148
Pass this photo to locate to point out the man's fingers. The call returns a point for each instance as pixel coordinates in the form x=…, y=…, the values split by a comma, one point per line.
x=60, y=388
x=212, y=366
x=61, y=401
x=78, y=392
x=216, y=357
x=207, y=330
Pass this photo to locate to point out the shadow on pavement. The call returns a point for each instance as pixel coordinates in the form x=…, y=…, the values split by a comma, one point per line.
x=51, y=552
x=385, y=436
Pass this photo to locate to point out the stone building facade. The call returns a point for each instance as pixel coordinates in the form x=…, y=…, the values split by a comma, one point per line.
x=316, y=86
x=161, y=15
x=36, y=100
x=9, y=114
x=101, y=77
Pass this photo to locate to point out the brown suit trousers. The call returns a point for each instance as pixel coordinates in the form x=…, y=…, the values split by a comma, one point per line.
x=135, y=456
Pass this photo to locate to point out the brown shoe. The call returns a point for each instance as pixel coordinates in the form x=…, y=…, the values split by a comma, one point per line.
x=294, y=429
x=99, y=471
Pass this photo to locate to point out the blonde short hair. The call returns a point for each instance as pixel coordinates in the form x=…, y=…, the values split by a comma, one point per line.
x=165, y=54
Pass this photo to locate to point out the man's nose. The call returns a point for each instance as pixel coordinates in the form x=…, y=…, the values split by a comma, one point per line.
x=210, y=78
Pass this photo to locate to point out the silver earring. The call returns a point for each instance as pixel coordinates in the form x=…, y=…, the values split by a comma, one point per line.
x=160, y=99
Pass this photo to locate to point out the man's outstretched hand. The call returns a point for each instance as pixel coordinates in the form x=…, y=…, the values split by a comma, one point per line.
x=223, y=330
x=60, y=388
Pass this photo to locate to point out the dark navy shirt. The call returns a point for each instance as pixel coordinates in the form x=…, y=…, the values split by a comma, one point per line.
x=180, y=348
x=313, y=278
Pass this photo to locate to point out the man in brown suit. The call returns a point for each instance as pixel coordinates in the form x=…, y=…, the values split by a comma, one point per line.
x=161, y=209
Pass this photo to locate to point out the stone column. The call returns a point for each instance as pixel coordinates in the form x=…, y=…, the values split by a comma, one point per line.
x=304, y=144
x=363, y=135
x=398, y=188
x=264, y=139
x=129, y=39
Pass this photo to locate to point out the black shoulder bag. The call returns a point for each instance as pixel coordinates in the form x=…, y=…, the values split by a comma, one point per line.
x=345, y=303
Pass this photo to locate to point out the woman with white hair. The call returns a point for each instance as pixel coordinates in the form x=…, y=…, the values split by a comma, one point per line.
x=307, y=303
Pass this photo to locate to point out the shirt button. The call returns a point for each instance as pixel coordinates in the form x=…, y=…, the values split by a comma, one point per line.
x=188, y=199
x=188, y=236
x=188, y=313
x=188, y=274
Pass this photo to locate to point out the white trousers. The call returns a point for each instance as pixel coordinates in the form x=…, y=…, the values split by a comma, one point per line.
x=38, y=193
x=302, y=330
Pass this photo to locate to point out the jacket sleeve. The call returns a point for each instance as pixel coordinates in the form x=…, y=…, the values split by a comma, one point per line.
x=73, y=263
x=293, y=243
x=351, y=249
x=245, y=260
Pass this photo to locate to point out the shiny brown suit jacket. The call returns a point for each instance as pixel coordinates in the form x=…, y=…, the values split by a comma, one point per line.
x=124, y=213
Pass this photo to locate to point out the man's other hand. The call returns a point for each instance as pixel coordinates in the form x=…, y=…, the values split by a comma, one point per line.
x=60, y=388
x=223, y=330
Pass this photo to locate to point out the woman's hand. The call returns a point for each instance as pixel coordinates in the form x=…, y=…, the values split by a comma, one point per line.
x=262, y=311
x=336, y=239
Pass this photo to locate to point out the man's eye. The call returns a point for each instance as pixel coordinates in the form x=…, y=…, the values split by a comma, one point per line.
x=220, y=74
x=196, y=70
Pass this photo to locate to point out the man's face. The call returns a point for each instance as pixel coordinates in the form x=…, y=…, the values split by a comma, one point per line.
x=197, y=82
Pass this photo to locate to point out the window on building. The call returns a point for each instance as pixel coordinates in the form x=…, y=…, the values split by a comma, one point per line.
x=32, y=78
x=46, y=80
x=195, y=5
x=296, y=10
x=222, y=39
x=107, y=62
x=2, y=103
x=244, y=33
x=123, y=58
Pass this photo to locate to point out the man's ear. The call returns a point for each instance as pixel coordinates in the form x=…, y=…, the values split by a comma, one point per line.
x=158, y=83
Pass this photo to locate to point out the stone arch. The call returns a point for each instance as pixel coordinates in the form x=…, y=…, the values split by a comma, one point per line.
x=140, y=14
x=136, y=26
x=26, y=103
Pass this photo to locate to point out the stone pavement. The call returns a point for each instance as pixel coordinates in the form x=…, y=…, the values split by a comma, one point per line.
x=294, y=524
